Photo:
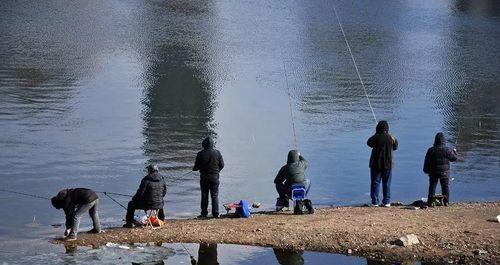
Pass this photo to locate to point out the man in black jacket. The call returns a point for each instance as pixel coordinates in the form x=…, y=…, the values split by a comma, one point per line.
x=149, y=195
x=209, y=162
x=437, y=166
x=382, y=144
x=76, y=202
x=291, y=173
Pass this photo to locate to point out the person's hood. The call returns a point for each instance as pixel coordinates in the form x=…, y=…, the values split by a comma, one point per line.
x=208, y=143
x=382, y=126
x=59, y=199
x=155, y=177
x=293, y=156
x=439, y=139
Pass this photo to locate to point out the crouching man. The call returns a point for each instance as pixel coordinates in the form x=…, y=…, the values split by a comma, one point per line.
x=75, y=202
x=149, y=196
x=291, y=173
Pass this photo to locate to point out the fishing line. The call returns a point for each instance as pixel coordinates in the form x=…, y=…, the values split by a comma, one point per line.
x=26, y=194
x=193, y=260
x=292, y=117
x=105, y=193
x=354, y=61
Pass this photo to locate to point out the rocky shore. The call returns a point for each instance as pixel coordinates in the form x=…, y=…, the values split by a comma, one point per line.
x=464, y=233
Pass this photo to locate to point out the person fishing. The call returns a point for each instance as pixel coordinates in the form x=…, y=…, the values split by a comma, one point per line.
x=76, y=202
x=291, y=173
x=149, y=195
x=382, y=144
x=437, y=166
x=209, y=162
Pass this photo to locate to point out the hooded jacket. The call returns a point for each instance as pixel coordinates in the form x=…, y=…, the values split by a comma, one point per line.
x=438, y=157
x=151, y=191
x=68, y=199
x=209, y=161
x=294, y=170
x=382, y=144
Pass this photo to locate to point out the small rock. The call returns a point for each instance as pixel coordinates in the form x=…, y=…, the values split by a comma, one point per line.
x=498, y=218
x=349, y=251
x=407, y=240
x=480, y=252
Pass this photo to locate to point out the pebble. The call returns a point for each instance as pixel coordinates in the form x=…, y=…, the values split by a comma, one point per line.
x=480, y=252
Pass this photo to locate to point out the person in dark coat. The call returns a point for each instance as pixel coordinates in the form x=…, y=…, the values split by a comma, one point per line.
x=76, y=202
x=207, y=254
x=209, y=162
x=382, y=144
x=149, y=195
x=291, y=173
x=437, y=166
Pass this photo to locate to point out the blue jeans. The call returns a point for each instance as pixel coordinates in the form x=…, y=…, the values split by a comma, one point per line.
x=377, y=176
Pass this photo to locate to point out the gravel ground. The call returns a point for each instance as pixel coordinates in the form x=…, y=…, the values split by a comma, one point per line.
x=453, y=234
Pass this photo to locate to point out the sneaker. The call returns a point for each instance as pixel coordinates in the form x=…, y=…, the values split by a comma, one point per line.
x=215, y=216
x=70, y=238
x=387, y=205
x=201, y=216
x=279, y=208
x=374, y=205
x=94, y=231
x=128, y=225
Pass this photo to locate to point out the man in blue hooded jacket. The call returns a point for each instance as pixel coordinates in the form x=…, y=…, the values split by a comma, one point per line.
x=437, y=166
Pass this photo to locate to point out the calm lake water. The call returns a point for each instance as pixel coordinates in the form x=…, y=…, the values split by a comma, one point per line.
x=92, y=91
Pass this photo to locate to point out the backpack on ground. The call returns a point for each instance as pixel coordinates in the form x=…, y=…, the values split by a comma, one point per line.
x=243, y=210
x=303, y=207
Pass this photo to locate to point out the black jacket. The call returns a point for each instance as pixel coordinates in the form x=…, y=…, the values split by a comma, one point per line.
x=438, y=158
x=382, y=144
x=209, y=161
x=151, y=191
x=68, y=199
x=294, y=170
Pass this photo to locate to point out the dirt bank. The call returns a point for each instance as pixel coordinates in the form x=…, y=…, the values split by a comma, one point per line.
x=447, y=234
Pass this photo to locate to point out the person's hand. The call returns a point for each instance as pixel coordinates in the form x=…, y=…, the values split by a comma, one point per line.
x=67, y=231
x=455, y=150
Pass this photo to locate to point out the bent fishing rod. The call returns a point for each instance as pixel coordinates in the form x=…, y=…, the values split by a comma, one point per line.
x=25, y=194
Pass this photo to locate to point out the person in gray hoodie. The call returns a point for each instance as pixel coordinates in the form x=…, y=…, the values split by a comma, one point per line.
x=291, y=173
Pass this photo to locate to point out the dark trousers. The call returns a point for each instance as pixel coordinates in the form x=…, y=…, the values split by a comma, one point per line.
x=445, y=190
x=209, y=186
x=136, y=205
x=376, y=177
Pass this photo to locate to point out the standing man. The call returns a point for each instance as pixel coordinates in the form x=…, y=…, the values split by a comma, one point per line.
x=382, y=144
x=149, y=195
x=76, y=202
x=437, y=166
x=209, y=162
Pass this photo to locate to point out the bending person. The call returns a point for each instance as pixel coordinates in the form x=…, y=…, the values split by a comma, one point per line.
x=291, y=173
x=149, y=196
x=76, y=202
x=437, y=166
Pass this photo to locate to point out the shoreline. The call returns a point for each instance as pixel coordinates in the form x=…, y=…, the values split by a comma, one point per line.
x=459, y=233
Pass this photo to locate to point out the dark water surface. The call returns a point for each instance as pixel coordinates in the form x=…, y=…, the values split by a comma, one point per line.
x=92, y=91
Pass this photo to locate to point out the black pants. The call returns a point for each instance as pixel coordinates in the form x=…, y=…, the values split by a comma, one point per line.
x=209, y=186
x=433, y=181
x=136, y=205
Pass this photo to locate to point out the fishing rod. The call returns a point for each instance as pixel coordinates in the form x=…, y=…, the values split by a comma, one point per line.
x=25, y=194
x=292, y=117
x=354, y=61
x=193, y=260
x=105, y=193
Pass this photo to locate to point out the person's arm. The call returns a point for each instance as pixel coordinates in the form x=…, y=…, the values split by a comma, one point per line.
x=371, y=141
x=221, y=162
x=427, y=162
x=69, y=210
x=303, y=161
x=280, y=177
x=197, y=162
x=140, y=191
x=452, y=155
x=394, y=143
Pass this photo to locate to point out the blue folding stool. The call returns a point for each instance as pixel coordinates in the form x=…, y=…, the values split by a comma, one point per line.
x=298, y=192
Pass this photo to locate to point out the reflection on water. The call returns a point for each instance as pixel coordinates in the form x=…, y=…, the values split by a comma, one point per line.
x=92, y=91
x=207, y=254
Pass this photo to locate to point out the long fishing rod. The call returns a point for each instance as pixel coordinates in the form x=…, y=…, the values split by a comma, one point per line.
x=354, y=61
x=292, y=117
x=26, y=194
x=193, y=260
x=105, y=193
